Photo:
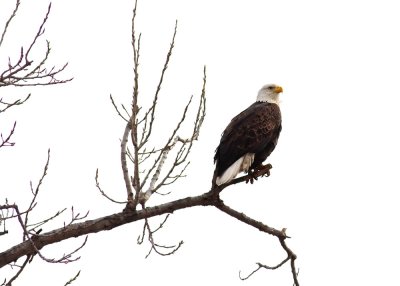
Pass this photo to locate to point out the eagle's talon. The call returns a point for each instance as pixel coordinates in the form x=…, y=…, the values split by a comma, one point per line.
x=267, y=169
x=252, y=177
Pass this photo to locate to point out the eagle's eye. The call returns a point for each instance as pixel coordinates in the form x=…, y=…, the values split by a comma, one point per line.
x=270, y=87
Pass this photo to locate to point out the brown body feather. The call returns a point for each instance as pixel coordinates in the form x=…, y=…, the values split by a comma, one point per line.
x=254, y=130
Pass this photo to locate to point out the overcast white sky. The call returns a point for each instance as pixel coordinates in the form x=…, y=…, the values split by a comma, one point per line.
x=334, y=183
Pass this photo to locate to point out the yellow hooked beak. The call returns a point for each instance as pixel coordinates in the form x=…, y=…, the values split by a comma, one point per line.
x=278, y=89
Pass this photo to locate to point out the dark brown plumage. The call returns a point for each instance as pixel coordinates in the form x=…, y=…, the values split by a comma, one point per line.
x=254, y=131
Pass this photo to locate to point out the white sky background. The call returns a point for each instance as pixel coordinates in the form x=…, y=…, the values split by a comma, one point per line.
x=334, y=181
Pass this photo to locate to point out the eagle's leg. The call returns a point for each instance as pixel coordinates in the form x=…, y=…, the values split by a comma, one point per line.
x=256, y=171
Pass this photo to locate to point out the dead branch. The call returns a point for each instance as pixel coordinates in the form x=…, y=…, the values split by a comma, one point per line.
x=29, y=230
x=21, y=268
x=185, y=149
x=73, y=279
x=124, y=164
x=96, y=225
x=9, y=21
x=252, y=222
x=260, y=265
x=133, y=184
x=146, y=134
x=210, y=198
x=34, y=226
x=66, y=258
x=171, y=249
x=117, y=109
x=23, y=71
x=36, y=191
x=76, y=217
x=8, y=105
x=102, y=192
x=135, y=110
x=181, y=155
x=160, y=160
x=6, y=141
x=280, y=234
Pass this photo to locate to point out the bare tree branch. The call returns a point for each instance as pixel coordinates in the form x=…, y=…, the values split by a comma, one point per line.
x=33, y=226
x=260, y=265
x=280, y=234
x=11, y=104
x=109, y=222
x=247, y=220
x=117, y=110
x=159, y=162
x=155, y=246
x=9, y=21
x=135, y=110
x=96, y=225
x=35, y=193
x=22, y=267
x=151, y=111
x=102, y=192
x=73, y=279
x=31, y=233
x=124, y=164
x=6, y=141
x=23, y=72
x=76, y=217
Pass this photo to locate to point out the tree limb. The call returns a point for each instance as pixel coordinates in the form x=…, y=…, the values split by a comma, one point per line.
x=104, y=223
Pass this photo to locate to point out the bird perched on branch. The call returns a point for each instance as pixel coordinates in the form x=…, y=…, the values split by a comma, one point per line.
x=250, y=137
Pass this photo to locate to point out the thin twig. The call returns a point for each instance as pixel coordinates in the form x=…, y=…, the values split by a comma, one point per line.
x=7, y=140
x=15, y=103
x=39, y=32
x=102, y=192
x=151, y=111
x=36, y=192
x=41, y=223
x=9, y=21
x=155, y=246
x=69, y=282
x=117, y=110
x=9, y=283
x=260, y=265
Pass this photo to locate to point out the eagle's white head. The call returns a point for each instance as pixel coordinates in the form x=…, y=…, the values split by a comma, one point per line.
x=269, y=93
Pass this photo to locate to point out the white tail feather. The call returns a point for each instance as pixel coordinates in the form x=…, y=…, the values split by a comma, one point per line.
x=241, y=164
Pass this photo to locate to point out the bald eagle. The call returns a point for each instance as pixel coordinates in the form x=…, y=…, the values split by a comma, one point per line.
x=250, y=137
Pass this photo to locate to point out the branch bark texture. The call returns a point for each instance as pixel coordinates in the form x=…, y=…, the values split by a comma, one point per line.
x=104, y=223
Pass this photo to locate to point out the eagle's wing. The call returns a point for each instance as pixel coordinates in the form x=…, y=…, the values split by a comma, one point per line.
x=249, y=132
